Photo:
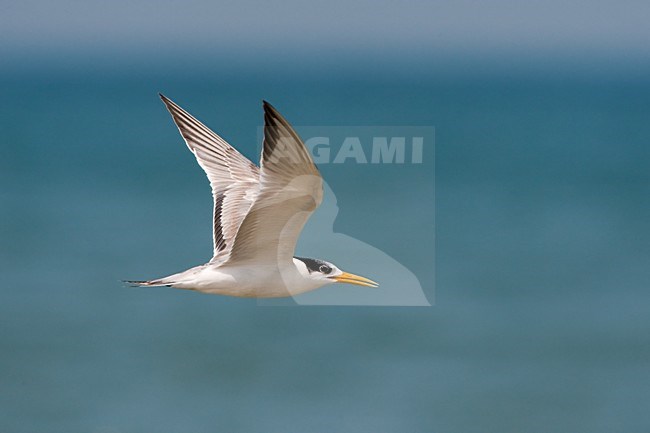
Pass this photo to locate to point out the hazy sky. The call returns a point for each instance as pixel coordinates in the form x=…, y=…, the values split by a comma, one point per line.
x=502, y=26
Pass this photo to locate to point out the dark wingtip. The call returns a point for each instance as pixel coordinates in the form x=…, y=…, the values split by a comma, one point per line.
x=267, y=106
x=271, y=115
x=165, y=99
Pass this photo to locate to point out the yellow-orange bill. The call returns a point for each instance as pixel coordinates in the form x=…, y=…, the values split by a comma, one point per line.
x=354, y=279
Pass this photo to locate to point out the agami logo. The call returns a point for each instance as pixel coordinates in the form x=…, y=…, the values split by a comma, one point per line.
x=374, y=150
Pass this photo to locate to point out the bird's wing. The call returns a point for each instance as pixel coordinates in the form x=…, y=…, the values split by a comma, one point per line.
x=234, y=179
x=291, y=188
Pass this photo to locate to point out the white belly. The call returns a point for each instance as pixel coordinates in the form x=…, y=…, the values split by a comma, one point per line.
x=252, y=281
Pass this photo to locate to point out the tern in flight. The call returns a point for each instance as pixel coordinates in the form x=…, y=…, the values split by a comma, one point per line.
x=258, y=214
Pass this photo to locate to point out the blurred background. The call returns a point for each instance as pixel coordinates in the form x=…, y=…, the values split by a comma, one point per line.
x=540, y=320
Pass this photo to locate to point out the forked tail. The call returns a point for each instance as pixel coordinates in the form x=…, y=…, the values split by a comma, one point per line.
x=149, y=283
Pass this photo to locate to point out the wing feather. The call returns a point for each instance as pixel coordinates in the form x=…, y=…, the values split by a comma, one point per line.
x=234, y=179
x=291, y=188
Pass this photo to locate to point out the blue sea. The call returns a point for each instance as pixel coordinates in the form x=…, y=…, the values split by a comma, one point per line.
x=528, y=232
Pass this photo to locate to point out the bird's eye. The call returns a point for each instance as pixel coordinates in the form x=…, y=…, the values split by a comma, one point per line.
x=325, y=269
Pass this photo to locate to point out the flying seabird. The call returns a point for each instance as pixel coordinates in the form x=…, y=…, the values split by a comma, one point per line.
x=258, y=214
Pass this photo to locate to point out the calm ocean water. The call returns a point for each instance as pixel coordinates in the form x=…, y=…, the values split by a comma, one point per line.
x=540, y=322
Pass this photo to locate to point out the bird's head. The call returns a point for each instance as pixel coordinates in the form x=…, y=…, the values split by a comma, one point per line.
x=327, y=273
